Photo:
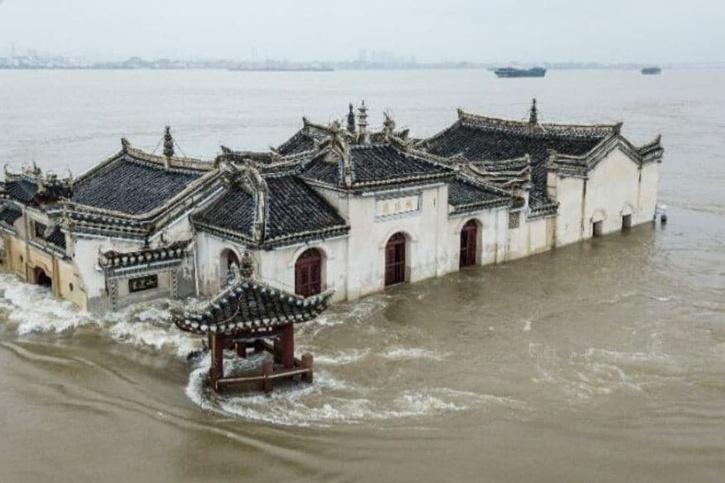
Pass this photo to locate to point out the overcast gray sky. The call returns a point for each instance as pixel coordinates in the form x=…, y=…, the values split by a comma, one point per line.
x=477, y=30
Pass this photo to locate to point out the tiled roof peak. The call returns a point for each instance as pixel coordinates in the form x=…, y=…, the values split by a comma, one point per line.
x=535, y=128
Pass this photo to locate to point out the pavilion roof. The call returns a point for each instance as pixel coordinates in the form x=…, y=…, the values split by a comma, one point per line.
x=248, y=306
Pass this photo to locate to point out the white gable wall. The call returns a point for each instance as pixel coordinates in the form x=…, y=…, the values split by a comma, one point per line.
x=426, y=238
x=611, y=191
x=570, y=195
x=277, y=267
x=648, y=187
x=491, y=243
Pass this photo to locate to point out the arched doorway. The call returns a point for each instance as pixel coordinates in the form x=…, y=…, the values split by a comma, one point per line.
x=229, y=261
x=469, y=237
x=308, y=273
x=41, y=278
x=395, y=260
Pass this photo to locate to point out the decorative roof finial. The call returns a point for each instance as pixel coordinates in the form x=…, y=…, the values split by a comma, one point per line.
x=362, y=123
x=168, y=143
x=351, y=120
x=534, y=115
x=246, y=267
x=388, y=125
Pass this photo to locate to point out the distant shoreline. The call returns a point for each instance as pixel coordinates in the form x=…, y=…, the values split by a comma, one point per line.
x=349, y=68
x=40, y=62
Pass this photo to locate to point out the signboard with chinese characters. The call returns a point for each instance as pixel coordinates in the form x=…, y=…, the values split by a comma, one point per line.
x=143, y=283
x=385, y=207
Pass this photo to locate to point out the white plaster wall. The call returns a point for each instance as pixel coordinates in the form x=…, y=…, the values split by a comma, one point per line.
x=86, y=251
x=424, y=229
x=208, y=251
x=531, y=237
x=491, y=243
x=569, y=194
x=612, y=188
x=616, y=186
x=178, y=230
x=277, y=267
x=649, y=186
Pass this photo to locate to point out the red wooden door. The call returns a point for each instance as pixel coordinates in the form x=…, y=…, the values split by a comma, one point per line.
x=469, y=234
x=308, y=273
x=395, y=260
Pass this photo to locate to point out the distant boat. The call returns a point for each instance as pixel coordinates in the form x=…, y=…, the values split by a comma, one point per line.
x=651, y=71
x=514, y=72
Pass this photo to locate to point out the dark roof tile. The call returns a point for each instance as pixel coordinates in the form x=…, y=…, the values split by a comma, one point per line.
x=132, y=186
x=9, y=214
x=375, y=164
x=294, y=211
x=246, y=306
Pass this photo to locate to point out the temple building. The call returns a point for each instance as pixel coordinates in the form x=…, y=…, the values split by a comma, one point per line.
x=339, y=210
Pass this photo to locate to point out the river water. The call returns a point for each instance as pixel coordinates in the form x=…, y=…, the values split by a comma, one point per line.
x=603, y=361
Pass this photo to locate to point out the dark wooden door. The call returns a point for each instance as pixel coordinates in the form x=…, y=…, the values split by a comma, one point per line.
x=469, y=234
x=308, y=273
x=395, y=260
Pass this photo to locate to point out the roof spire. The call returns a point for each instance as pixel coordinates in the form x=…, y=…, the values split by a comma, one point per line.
x=168, y=143
x=534, y=114
x=388, y=126
x=362, y=123
x=351, y=120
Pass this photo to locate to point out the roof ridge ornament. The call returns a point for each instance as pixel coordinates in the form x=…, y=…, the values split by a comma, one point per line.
x=533, y=113
x=336, y=149
x=351, y=120
x=125, y=145
x=362, y=124
x=246, y=266
x=168, y=146
x=388, y=126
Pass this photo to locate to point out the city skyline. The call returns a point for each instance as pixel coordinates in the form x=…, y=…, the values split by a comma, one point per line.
x=459, y=30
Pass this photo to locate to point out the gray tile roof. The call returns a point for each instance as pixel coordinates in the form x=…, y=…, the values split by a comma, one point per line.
x=465, y=195
x=57, y=238
x=477, y=138
x=22, y=190
x=9, y=214
x=247, y=306
x=376, y=164
x=294, y=212
x=132, y=186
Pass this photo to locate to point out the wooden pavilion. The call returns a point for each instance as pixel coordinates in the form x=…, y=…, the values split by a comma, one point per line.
x=250, y=315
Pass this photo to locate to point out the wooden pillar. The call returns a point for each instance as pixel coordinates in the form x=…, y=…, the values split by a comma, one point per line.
x=307, y=362
x=258, y=346
x=277, y=350
x=216, y=347
x=242, y=349
x=287, y=347
x=267, y=370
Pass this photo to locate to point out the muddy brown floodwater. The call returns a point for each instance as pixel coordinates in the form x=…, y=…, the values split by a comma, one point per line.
x=602, y=361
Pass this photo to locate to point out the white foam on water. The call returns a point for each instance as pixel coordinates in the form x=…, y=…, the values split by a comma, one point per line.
x=411, y=353
x=644, y=363
x=150, y=325
x=342, y=358
x=34, y=310
x=329, y=401
x=661, y=299
x=595, y=372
